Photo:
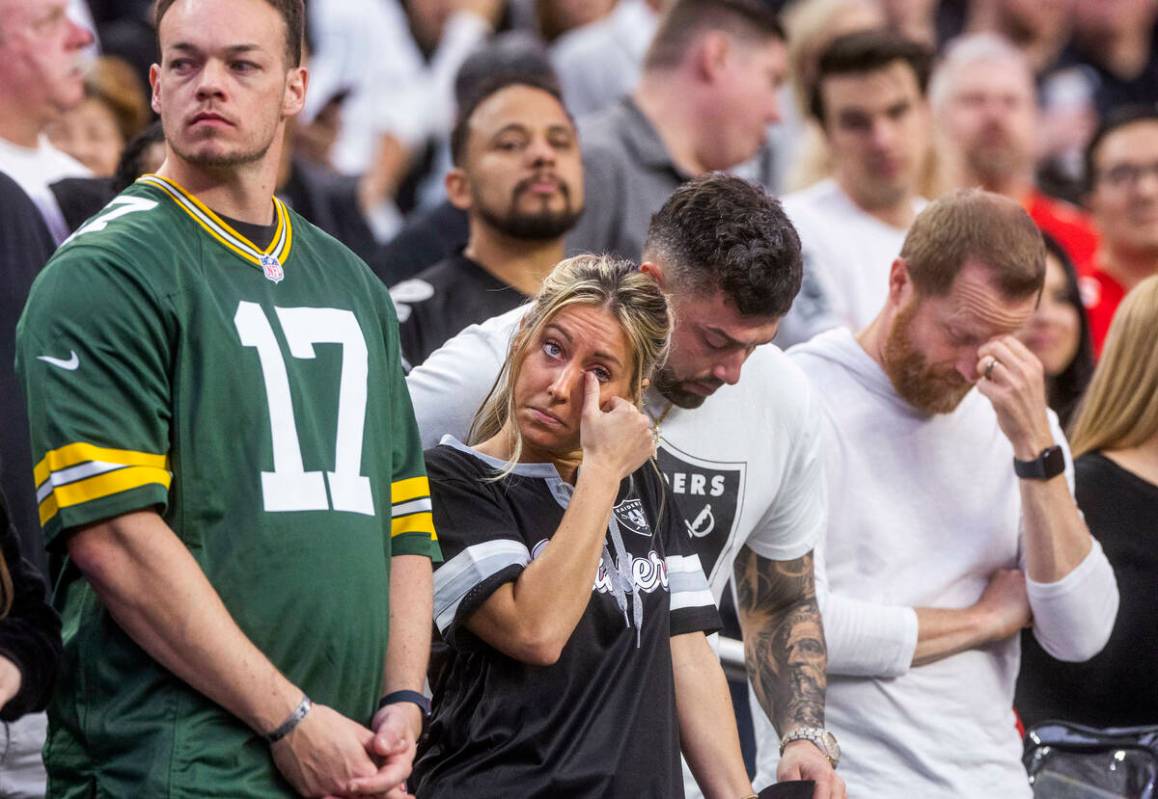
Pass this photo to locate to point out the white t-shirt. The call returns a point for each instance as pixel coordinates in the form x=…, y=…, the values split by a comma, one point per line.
x=847, y=256
x=925, y=509
x=37, y=168
x=745, y=467
x=365, y=47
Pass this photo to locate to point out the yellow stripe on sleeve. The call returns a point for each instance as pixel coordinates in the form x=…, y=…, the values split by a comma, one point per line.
x=48, y=508
x=414, y=523
x=102, y=485
x=74, y=454
x=411, y=488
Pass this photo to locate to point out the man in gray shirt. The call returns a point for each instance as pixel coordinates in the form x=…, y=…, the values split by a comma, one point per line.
x=704, y=103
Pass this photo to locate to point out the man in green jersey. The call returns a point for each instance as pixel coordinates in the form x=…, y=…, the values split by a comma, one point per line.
x=227, y=456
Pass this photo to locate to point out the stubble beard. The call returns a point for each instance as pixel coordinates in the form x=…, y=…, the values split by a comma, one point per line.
x=671, y=388
x=914, y=381
x=220, y=161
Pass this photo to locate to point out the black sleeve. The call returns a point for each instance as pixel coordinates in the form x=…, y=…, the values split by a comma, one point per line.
x=30, y=632
x=692, y=606
x=482, y=546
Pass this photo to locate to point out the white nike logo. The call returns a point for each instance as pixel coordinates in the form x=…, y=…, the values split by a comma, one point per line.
x=71, y=364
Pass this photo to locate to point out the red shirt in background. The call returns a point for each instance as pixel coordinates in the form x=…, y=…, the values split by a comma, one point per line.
x=1070, y=225
x=1101, y=294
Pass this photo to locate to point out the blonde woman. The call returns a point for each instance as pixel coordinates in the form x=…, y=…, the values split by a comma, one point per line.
x=1115, y=444
x=574, y=617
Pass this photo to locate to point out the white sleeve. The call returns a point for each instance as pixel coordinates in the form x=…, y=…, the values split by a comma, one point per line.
x=447, y=389
x=797, y=516
x=864, y=639
x=463, y=33
x=1073, y=618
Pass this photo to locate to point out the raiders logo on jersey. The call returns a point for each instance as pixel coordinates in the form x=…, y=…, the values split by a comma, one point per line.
x=708, y=496
x=630, y=516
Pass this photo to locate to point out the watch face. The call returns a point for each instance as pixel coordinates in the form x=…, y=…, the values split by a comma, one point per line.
x=832, y=745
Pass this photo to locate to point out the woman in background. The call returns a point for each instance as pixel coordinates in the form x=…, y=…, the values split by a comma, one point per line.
x=1058, y=333
x=115, y=109
x=1115, y=444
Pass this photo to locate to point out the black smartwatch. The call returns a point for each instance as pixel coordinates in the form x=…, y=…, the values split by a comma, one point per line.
x=407, y=696
x=1046, y=466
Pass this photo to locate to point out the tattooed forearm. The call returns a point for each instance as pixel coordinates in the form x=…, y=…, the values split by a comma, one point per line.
x=783, y=638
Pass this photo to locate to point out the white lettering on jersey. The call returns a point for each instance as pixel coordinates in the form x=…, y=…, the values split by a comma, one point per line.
x=289, y=487
x=118, y=207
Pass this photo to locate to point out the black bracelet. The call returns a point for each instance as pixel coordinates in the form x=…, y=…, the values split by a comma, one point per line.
x=406, y=696
x=289, y=724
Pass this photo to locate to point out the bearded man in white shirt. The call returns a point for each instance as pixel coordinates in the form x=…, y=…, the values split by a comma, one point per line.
x=952, y=525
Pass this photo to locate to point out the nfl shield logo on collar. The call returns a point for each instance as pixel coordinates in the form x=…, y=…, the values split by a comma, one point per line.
x=272, y=270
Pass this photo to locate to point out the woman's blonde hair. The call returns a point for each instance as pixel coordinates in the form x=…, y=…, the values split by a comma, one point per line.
x=1120, y=408
x=632, y=297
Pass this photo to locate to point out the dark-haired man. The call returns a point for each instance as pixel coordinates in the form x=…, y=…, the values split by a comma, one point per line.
x=740, y=455
x=704, y=102
x=1122, y=175
x=956, y=527
x=869, y=99
x=519, y=176
x=228, y=458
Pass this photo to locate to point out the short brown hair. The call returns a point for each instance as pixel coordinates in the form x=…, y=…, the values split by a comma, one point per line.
x=975, y=225
x=292, y=12
x=751, y=19
x=862, y=52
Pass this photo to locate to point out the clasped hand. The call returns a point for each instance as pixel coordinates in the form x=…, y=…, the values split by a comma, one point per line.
x=330, y=756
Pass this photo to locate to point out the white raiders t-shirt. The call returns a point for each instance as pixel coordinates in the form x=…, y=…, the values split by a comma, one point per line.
x=847, y=257
x=745, y=467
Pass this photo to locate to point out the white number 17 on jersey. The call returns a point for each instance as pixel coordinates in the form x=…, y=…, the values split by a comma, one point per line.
x=289, y=487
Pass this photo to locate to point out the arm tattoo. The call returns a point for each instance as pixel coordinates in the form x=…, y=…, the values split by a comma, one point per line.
x=783, y=638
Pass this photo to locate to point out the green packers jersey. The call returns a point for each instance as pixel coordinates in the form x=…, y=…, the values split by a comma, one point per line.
x=254, y=398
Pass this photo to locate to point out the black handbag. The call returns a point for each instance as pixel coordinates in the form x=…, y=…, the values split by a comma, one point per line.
x=1071, y=761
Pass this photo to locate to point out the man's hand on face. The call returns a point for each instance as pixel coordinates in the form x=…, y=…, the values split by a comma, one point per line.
x=392, y=745
x=1013, y=380
x=325, y=754
x=803, y=760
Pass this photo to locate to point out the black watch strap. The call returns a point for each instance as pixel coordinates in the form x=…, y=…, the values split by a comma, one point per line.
x=406, y=696
x=1046, y=466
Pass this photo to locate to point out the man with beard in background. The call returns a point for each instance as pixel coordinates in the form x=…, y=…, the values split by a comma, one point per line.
x=985, y=113
x=519, y=176
x=956, y=526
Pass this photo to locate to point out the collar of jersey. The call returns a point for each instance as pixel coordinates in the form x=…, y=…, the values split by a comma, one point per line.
x=544, y=471
x=221, y=230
